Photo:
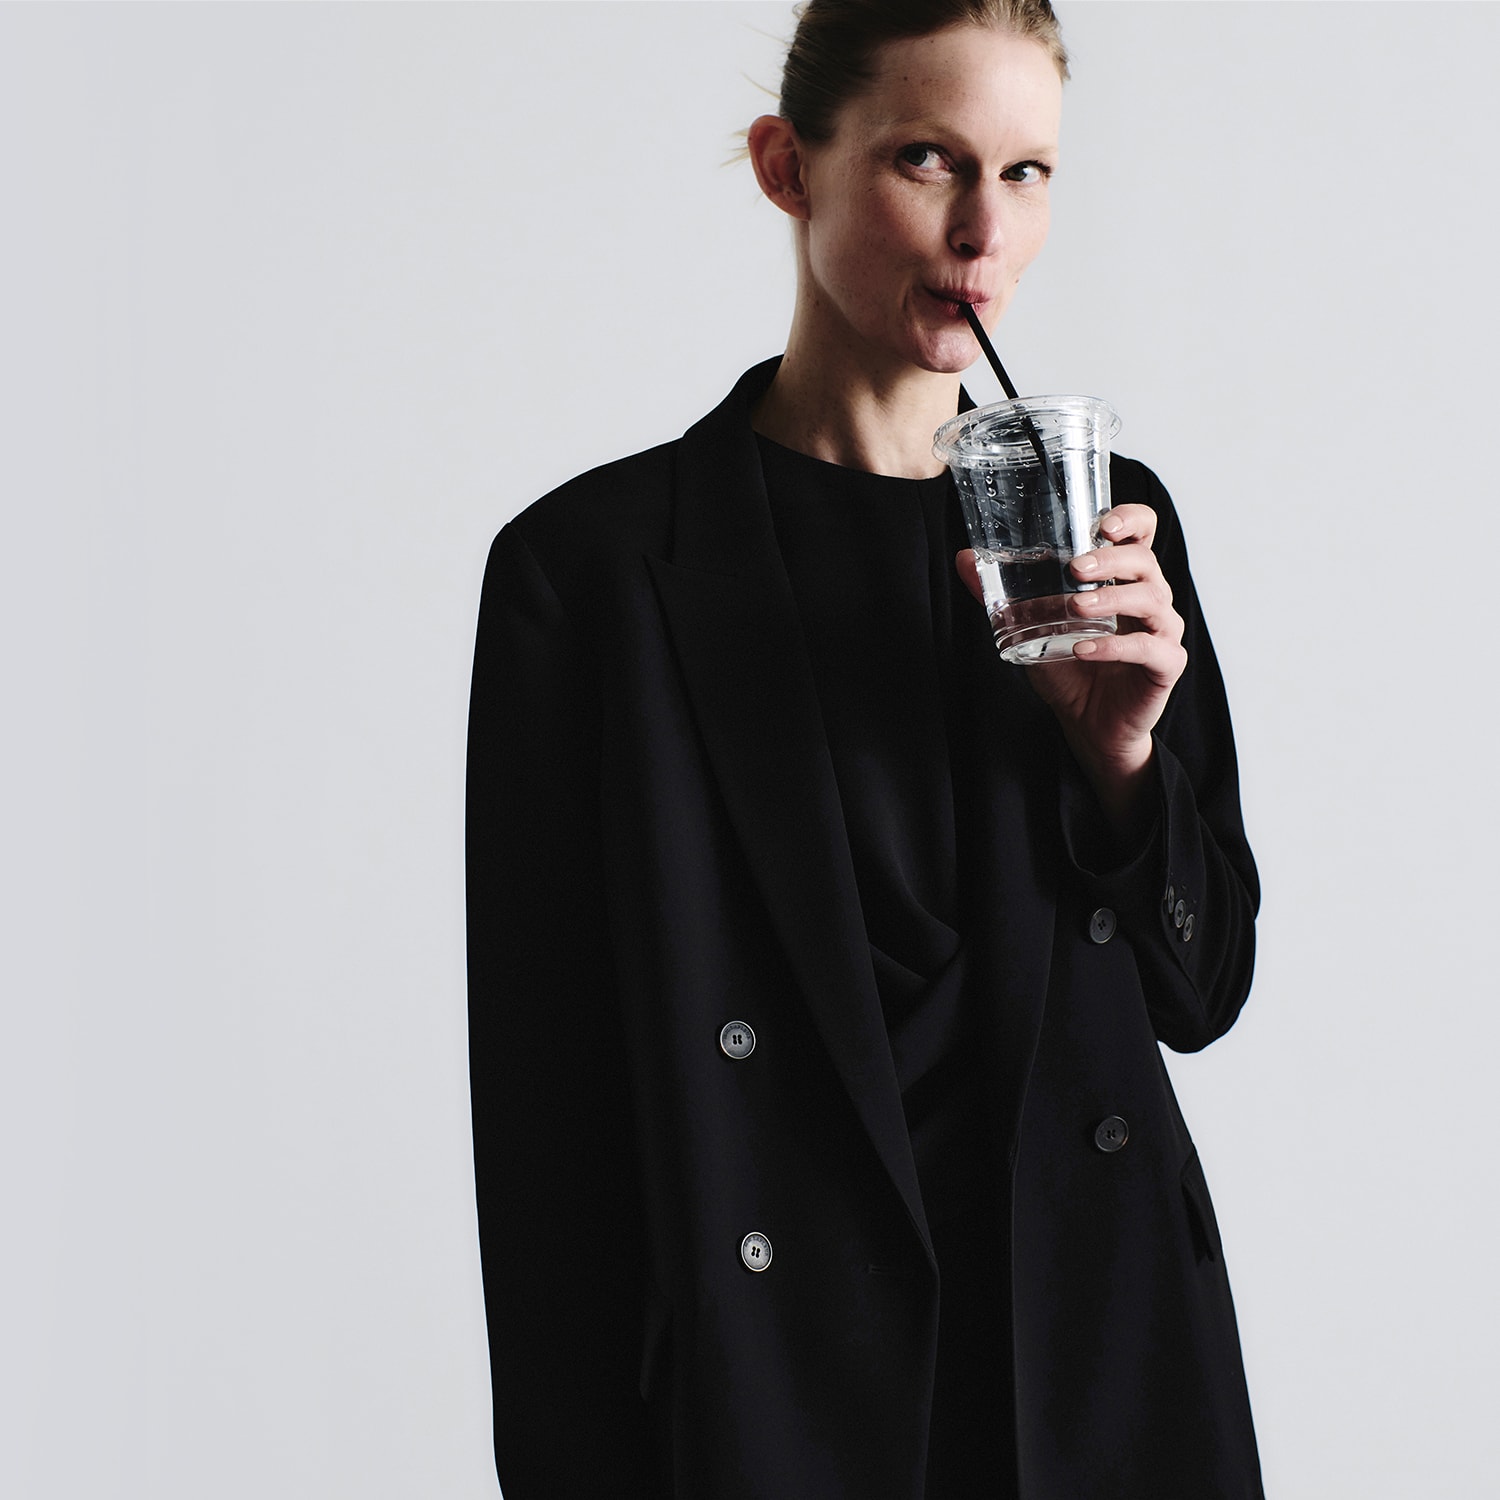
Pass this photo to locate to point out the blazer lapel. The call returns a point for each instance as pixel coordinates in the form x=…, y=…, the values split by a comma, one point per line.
x=737, y=636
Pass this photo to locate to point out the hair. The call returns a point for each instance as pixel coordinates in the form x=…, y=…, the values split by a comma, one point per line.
x=832, y=56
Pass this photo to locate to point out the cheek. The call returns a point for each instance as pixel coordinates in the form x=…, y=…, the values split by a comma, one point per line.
x=856, y=256
x=894, y=222
x=838, y=263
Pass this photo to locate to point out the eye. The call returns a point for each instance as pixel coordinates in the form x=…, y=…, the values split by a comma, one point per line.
x=923, y=157
x=1028, y=172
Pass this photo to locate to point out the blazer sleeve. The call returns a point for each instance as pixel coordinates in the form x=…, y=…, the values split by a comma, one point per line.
x=1188, y=897
x=560, y=1222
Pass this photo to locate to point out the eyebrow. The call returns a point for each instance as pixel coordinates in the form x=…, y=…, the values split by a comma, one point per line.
x=924, y=124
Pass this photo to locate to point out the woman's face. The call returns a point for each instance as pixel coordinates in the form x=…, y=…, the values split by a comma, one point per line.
x=933, y=192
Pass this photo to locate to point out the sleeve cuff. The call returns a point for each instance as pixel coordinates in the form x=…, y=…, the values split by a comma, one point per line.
x=1118, y=870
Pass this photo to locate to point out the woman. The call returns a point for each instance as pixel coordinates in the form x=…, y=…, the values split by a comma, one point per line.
x=819, y=959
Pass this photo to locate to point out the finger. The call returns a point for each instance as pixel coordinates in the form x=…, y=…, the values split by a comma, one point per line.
x=1137, y=606
x=969, y=572
x=1130, y=562
x=1163, y=660
x=1129, y=523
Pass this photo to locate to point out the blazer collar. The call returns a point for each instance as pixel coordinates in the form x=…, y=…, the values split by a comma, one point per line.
x=718, y=459
x=721, y=515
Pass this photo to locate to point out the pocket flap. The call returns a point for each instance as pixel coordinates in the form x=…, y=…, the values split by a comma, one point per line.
x=1201, y=1210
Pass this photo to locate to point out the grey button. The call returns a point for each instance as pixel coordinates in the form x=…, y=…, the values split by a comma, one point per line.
x=1187, y=929
x=736, y=1039
x=1102, y=925
x=1171, y=897
x=755, y=1251
x=1179, y=912
x=1111, y=1133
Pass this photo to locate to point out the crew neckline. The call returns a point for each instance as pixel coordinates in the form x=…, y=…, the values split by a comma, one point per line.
x=770, y=447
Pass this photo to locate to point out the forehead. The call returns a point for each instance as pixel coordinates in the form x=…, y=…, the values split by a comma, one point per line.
x=970, y=77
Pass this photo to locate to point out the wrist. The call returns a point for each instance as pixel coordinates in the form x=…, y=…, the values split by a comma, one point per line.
x=1122, y=784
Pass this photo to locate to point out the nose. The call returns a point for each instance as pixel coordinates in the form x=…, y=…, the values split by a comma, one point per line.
x=978, y=228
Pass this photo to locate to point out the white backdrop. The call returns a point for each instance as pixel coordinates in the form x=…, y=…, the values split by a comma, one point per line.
x=301, y=303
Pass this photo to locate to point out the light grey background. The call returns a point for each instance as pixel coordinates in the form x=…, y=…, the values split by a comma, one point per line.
x=299, y=304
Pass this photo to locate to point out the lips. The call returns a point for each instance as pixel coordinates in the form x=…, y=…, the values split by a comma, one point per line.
x=956, y=298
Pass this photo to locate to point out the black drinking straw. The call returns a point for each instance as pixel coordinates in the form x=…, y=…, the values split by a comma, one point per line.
x=1035, y=438
x=989, y=349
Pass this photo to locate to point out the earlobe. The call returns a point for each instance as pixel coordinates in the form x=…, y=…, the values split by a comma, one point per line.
x=777, y=156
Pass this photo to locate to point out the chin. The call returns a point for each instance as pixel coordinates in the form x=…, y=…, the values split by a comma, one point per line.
x=947, y=355
x=954, y=366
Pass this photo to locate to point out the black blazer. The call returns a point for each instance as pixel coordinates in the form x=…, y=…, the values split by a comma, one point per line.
x=655, y=848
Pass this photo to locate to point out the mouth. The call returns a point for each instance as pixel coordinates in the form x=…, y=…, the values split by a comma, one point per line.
x=953, y=300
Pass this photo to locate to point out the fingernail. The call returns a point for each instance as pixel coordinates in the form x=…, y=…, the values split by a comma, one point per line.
x=1085, y=648
x=1086, y=564
x=1112, y=524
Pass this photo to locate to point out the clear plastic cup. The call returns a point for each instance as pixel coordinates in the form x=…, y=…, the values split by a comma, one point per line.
x=1033, y=480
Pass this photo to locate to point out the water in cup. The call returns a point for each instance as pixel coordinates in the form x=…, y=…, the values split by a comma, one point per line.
x=1033, y=480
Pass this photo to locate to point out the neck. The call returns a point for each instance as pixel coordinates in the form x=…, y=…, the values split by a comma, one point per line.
x=828, y=402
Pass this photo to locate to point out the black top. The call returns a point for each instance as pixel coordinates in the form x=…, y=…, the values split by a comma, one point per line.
x=870, y=560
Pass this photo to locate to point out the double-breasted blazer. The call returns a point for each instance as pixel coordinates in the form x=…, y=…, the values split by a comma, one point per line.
x=655, y=849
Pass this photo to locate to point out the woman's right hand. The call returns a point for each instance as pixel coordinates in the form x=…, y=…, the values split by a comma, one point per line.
x=1110, y=697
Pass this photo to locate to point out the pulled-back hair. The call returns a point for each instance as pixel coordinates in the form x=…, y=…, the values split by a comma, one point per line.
x=832, y=56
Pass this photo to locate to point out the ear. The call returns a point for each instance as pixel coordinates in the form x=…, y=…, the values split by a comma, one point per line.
x=779, y=157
